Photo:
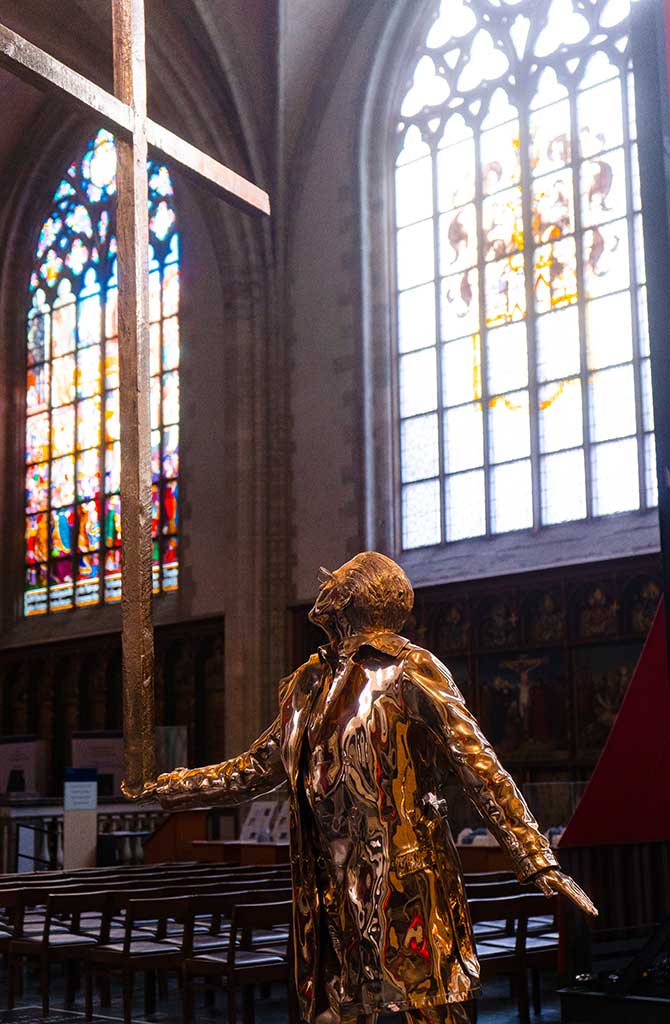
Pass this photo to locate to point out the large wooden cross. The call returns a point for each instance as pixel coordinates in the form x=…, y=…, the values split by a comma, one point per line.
x=125, y=114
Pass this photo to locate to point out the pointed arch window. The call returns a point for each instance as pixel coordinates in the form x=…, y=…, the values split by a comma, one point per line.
x=73, y=506
x=523, y=353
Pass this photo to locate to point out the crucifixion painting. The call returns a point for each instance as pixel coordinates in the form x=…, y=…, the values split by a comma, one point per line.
x=125, y=113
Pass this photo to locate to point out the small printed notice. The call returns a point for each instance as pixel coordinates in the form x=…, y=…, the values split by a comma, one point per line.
x=81, y=789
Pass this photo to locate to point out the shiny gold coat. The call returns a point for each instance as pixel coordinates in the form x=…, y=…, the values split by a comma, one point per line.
x=366, y=735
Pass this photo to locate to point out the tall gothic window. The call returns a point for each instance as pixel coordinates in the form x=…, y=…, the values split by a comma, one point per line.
x=523, y=351
x=73, y=508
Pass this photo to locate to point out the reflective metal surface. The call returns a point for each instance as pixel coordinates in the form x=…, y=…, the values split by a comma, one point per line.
x=367, y=731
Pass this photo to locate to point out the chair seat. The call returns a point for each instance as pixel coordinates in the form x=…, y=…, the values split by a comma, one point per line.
x=58, y=941
x=243, y=958
x=145, y=947
x=487, y=951
x=489, y=928
x=535, y=943
x=203, y=942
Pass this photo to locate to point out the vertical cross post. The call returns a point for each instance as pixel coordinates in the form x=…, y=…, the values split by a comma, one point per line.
x=132, y=229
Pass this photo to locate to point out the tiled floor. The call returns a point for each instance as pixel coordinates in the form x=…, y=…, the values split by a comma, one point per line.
x=495, y=1007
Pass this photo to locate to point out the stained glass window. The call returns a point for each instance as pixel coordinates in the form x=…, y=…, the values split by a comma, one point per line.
x=523, y=353
x=73, y=507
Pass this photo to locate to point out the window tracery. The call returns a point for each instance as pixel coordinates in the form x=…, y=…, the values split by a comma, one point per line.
x=523, y=352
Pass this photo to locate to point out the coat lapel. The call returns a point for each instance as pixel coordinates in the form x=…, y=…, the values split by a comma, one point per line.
x=295, y=715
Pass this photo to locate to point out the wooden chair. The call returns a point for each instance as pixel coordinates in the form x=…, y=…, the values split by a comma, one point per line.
x=513, y=955
x=139, y=951
x=63, y=942
x=248, y=960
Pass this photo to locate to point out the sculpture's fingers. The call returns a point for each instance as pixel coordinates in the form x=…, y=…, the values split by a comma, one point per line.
x=577, y=895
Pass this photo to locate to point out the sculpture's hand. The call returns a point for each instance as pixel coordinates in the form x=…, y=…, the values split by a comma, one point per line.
x=554, y=881
x=147, y=792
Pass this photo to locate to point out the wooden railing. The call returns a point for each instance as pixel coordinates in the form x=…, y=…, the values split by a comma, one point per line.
x=31, y=836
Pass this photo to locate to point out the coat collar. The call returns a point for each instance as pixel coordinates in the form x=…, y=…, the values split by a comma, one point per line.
x=379, y=640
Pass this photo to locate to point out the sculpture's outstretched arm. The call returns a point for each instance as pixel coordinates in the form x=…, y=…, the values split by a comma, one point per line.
x=259, y=770
x=434, y=699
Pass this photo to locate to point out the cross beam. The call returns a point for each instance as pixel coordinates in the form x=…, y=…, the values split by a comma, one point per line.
x=27, y=61
x=125, y=114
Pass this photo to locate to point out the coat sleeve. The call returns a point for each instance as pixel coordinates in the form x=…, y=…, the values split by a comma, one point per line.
x=257, y=771
x=433, y=698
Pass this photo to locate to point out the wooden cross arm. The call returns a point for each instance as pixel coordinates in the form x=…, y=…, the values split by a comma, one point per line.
x=27, y=61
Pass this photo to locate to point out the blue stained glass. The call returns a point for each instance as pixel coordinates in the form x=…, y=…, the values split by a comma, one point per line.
x=72, y=478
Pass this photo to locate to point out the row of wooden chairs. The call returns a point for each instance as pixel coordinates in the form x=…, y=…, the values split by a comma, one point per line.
x=121, y=923
x=222, y=925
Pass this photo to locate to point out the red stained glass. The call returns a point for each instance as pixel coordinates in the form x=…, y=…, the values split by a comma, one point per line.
x=170, y=507
x=155, y=510
x=36, y=538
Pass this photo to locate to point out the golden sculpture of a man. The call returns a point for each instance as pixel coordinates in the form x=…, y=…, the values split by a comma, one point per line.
x=366, y=733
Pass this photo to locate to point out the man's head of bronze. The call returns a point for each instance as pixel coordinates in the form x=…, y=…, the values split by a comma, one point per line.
x=368, y=593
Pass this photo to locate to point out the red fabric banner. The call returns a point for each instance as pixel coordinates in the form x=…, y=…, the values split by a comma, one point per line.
x=627, y=799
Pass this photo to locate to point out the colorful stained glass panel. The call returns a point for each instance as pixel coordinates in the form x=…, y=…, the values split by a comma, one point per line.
x=170, y=397
x=39, y=327
x=37, y=487
x=88, y=423
x=89, y=526
x=88, y=474
x=37, y=438
x=88, y=372
x=170, y=465
x=89, y=321
x=170, y=507
x=62, y=526
x=62, y=481
x=36, y=538
x=112, y=521
x=37, y=389
x=62, y=430
x=112, y=468
x=62, y=381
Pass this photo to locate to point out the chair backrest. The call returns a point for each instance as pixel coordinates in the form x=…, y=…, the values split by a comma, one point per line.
x=154, y=908
x=73, y=905
x=492, y=890
x=223, y=906
x=513, y=908
x=484, y=877
x=248, y=917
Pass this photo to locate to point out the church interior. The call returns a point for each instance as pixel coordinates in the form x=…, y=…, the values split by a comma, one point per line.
x=446, y=342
